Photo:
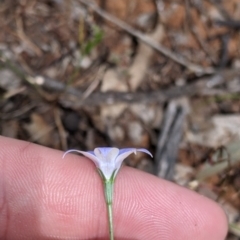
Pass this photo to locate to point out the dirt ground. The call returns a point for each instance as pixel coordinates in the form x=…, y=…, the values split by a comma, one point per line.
x=162, y=75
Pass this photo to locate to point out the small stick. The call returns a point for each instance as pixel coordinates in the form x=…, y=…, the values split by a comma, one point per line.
x=170, y=137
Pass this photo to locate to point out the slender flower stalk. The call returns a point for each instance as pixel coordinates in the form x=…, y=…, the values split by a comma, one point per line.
x=108, y=188
x=108, y=162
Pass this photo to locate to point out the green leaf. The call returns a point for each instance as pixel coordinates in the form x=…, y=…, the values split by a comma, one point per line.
x=94, y=41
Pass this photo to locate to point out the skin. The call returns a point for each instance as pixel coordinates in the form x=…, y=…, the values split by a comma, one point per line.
x=43, y=196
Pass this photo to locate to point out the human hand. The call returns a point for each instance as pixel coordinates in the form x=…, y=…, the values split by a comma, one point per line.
x=43, y=196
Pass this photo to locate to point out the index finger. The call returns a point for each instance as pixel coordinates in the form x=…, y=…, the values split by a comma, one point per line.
x=43, y=196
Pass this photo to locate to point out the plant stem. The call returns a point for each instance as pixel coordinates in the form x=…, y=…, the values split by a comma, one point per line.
x=108, y=187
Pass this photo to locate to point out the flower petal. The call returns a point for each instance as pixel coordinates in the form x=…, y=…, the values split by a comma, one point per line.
x=107, y=158
x=89, y=155
x=145, y=151
x=125, y=152
x=104, y=153
x=112, y=155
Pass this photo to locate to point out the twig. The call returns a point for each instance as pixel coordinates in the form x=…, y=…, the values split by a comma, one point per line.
x=234, y=24
x=61, y=131
x=18, y=113
x=169, y=139
x=166, y=52
x=224, y=51
x=14, y=92
x=203, y=87
x=72, y=97
x=94, y=84
x=24, y=38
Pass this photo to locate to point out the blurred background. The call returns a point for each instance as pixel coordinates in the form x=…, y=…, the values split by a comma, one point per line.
x=162, y=75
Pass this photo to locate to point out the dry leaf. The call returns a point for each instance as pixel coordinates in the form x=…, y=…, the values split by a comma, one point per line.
x=39, y=130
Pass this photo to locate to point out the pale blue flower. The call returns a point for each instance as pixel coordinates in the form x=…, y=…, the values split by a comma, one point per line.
x=108, y=161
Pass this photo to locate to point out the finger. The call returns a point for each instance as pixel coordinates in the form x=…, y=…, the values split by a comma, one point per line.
x=43, y=196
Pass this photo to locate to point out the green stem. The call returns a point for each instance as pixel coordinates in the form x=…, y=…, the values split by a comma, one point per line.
x=108, y=187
